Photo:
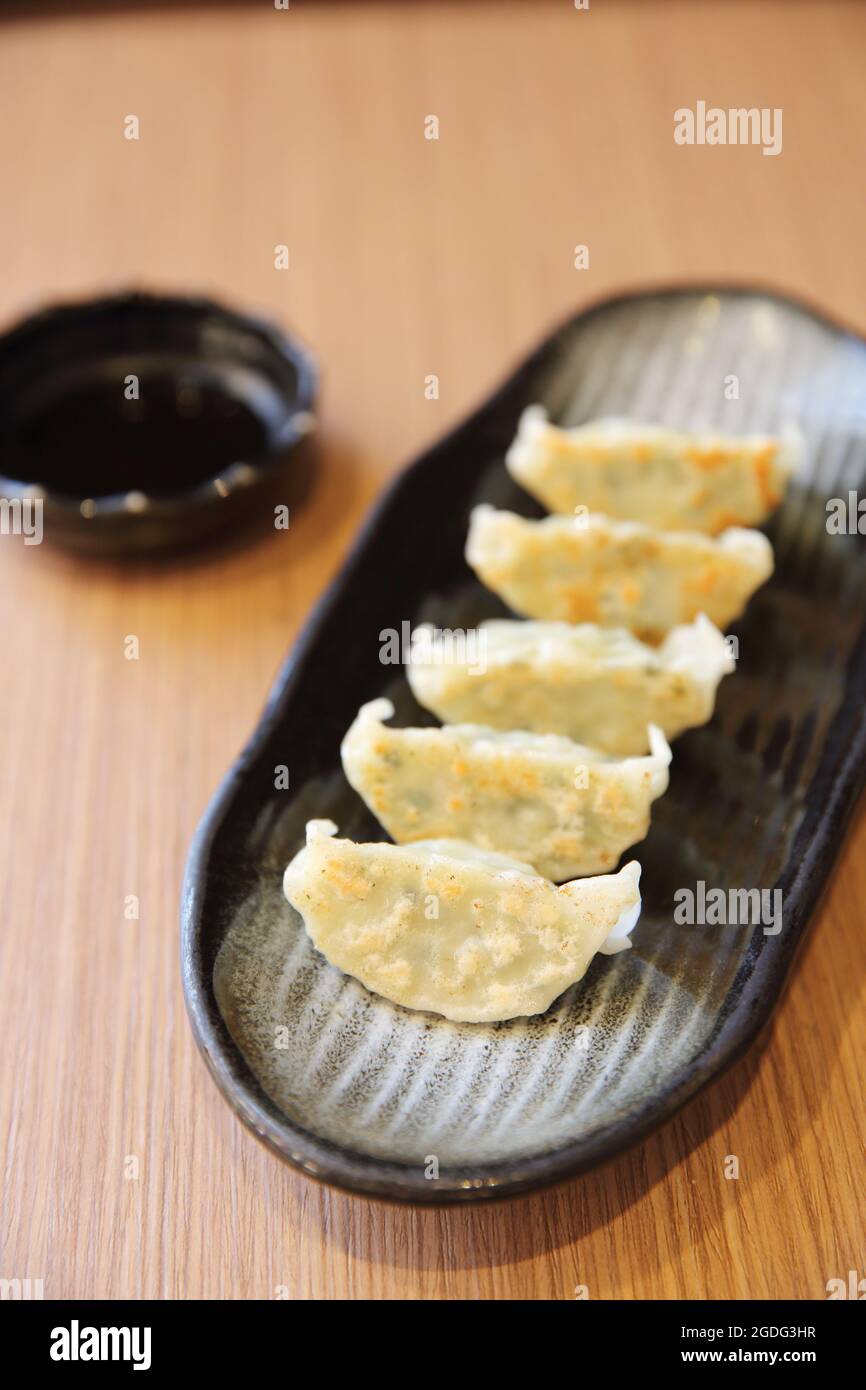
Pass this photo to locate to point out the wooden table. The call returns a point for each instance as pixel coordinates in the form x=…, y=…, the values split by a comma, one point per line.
x=407, y=257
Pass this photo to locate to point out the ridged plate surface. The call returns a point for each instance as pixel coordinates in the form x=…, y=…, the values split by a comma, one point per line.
x=363, y=1093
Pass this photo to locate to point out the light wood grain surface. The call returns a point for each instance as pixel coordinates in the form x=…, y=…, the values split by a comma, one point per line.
x=408, y=257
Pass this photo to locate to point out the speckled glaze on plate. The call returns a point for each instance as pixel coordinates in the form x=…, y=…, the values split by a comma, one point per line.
x=359, y=1092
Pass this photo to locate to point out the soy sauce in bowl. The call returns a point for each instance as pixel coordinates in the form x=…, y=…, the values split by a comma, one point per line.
x=141, y=422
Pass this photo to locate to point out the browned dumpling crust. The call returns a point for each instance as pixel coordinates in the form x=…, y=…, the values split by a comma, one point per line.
x=566, y=808
x=599, y=686
x=616, y=573
x=445, y=927
x=635, y=472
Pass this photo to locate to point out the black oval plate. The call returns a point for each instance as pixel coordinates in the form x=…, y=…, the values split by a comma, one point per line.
x=359, y=1092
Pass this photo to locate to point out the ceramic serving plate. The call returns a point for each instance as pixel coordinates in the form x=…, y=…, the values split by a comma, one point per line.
x=359, y=1092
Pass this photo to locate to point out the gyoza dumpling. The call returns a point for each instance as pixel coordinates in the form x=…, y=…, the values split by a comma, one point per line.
x=599, y=686
x=451, y=929
x=615, y=573
x=693, y=482
x=566, y=808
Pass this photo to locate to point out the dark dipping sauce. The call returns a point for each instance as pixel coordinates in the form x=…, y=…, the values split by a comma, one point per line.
x=90, y=440
x=143, y=422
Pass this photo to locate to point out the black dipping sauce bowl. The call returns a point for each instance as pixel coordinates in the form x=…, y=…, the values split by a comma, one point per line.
x=145, y=423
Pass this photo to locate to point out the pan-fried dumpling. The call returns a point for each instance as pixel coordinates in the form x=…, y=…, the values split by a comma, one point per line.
x=694, y=482
x=568, y=809
x=615, y=573
x=451, y=929
x=598, y=686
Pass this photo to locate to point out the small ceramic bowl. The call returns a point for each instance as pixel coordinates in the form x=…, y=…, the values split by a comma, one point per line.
x=144, y=422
